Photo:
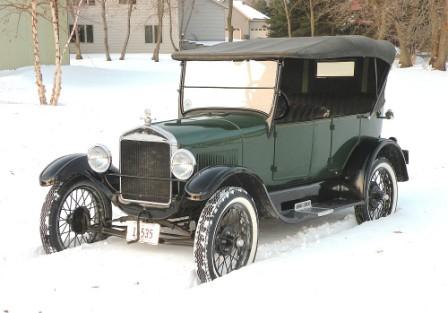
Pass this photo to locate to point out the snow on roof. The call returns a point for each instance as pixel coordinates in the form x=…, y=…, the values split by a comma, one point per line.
x=249, y=11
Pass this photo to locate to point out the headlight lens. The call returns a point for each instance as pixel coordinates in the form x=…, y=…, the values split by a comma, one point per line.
x=99, y=158
x=182, y=164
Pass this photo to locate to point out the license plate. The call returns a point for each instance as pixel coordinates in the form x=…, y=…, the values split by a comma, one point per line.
x=149, y=232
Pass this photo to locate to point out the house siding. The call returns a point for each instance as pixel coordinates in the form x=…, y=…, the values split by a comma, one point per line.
x=16, y=45
x=144, y=13
x=207, y=22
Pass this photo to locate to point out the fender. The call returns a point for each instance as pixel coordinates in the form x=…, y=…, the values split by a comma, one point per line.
x=208, y=180
x=363, y=156
x=74, y=165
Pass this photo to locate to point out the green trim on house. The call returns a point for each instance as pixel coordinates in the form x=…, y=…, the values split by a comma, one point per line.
x=16, y=48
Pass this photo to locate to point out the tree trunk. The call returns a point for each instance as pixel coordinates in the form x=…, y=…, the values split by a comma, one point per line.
x=312, y=20
x=440, y=62
x=36, y=53
x=128, y=29
x=57, y=51
x=405, y=51
x=288, y=18
x=383, y=27
x=168, y=2
x=435, y=30
x=77, y=41
x=229, y=21
x=160, y=8
x=106, y=39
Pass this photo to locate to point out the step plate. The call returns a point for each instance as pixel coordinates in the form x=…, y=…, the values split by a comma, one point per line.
x=316, y=211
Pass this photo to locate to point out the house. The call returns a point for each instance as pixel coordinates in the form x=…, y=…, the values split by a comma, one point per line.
x=144, y=27
x=16, y=38
x=248, y=23
x=191, y=20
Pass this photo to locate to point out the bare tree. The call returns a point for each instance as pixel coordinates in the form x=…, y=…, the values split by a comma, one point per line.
x=288, y=17
x=36, y=54
x=168, y=3
x=229, y=20
x=71, y=10
x=57, y=80
x=185, y=22
x=440, y=61
x=106, y=39
x=128, y=29
x=160, y=11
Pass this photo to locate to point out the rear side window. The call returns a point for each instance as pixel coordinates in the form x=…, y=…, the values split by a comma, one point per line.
x=335, y=69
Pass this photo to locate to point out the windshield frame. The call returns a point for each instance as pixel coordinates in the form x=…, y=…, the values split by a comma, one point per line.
x=196, y=111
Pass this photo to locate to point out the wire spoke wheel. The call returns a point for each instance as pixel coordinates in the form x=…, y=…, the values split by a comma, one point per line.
x=232, y=241
x=70, y=212
x=78, y=213
x=382, y=193
x=226, y=237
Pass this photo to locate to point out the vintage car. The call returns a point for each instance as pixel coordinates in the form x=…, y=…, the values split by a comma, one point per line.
x=269, y=128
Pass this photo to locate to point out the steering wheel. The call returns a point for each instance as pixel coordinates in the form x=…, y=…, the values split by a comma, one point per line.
x=282, y=107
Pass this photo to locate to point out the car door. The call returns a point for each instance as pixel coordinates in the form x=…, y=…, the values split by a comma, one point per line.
x=292, y=151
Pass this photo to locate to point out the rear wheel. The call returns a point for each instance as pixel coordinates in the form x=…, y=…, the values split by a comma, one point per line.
x=68, y=213
x=227, y=234
x=382, y=192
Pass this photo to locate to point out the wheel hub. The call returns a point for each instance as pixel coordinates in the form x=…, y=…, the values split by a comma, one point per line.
x=79, y=220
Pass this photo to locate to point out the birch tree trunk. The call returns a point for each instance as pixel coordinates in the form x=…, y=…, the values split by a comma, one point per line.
x=106, y=39
x=57, y=51
x=440, y=62
x=160, y=7
x=288, y=18
x=36, y=53
x=229, y=21
x=77, y=41
x=312, y=19
x=168, y=2
x=128, y=29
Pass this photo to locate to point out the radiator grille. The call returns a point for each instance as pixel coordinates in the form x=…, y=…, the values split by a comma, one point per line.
x=145, y=170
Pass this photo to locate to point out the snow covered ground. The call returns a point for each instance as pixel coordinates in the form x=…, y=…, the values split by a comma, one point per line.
x=396, y=264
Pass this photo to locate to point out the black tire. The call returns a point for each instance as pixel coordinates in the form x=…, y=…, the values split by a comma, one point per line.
x=226, y=236
x=382, y=192
x=68, y=209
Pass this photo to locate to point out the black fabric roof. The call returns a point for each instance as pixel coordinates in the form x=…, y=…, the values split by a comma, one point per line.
x=327, y=47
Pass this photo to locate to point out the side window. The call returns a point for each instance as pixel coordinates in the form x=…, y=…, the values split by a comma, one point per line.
x=85, y=33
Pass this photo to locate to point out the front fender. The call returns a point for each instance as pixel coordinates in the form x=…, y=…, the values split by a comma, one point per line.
x=207, y=181
x=63, y=168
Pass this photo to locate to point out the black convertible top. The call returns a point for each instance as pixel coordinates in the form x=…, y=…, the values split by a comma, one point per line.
x=326, y=47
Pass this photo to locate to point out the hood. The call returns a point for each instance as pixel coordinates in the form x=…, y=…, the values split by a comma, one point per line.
x=213, y=129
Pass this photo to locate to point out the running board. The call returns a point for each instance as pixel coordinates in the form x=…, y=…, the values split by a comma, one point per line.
x=306, y=209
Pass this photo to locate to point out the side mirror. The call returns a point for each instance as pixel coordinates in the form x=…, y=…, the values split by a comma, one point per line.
x=388, y=116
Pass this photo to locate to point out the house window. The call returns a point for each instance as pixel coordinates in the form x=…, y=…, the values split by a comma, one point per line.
x=85, y=33
x=151, y=33
x=126, y=1
x=89, y=2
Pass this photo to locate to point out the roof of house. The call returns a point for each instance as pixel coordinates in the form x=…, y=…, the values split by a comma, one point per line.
x=326, y=47
x=248, y=11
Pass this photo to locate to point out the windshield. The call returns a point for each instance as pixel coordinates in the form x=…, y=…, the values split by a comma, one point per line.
x=227, y=84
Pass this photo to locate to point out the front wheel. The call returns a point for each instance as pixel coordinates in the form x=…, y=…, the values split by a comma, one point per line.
x=382, y=192
x=70, y=210
x=226, y=235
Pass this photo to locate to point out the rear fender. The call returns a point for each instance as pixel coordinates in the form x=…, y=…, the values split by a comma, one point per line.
x=368, y=150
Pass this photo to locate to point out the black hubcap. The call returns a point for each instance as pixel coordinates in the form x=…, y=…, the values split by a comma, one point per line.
x=79, y=220
x=381, y=194
x=233, y=240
